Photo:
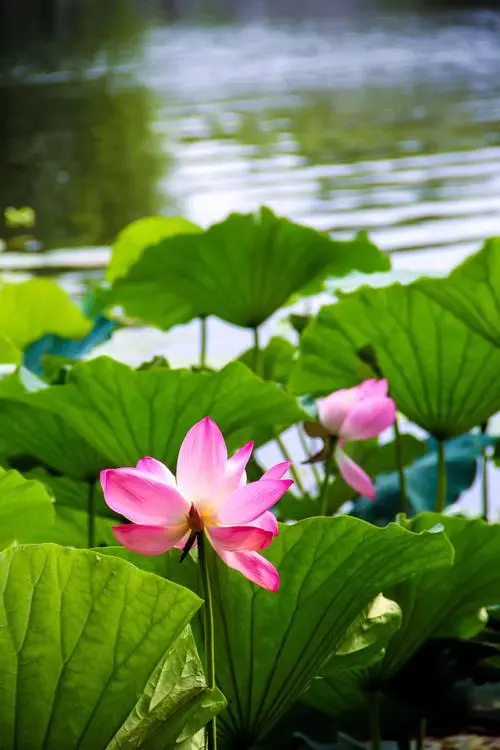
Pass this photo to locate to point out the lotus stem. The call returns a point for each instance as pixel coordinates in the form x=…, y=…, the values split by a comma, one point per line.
x=306, y=450
x=484, y=476
x=441, y=479
x=293, y=471
x=257, y=362
x=203, y=343
x=399, y=463
x=91, y=516
x=208, y=614
x=323, y=498
x=422, y=733
x=375, y=721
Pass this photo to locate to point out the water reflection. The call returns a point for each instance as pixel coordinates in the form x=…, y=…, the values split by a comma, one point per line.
x=370, y=114
x=77, y=142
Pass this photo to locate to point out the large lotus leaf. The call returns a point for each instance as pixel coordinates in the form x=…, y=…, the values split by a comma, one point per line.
x=140, y=234
x=26, y=509
x=271, y=645
x=126, y=414
x=461, y=457
x=66, y=349
x=241, y=270
x=442, y=376
x=81, y=637
x=434, y=604
x=275, y=360
x=71, y=523
x=31, y=436
x=10, y=354
x=31, y=309
x=174, y=704
x=472, y=291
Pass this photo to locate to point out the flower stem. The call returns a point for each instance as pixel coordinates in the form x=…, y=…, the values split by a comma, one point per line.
x=257, y=363
x=91, y=516
x=441, y=479
x=293, y=471
x=323, y=498
x=305, y=448
x=399, y=462
x=203, y=343
x=375, y=721
x=484, y=475
x=422, y=733
x=211, y=729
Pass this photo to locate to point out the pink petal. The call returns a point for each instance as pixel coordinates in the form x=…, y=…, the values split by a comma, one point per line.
x=239, y=537
x=142, y=498
x=335, y=408
x=268, y=522
x=353, y=474
x=250, y=502
x=374, y=388
x=369, y=418
x=254, y=567
x=148, y=540
x=151, y=466
x=235, y=469
x=277, y=471
x=201, y=464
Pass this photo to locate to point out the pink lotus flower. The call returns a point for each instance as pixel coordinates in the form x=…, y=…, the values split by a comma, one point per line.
x=357, y=413
x=209, y=494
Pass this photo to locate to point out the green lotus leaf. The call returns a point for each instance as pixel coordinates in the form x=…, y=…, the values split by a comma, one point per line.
x=94, y=653
x=271, y=645
x=125, y=414
x=472, y=291
x=140, y=234
x=31, y=309
x=442, y=375
x=241, y=270
x=448, y=603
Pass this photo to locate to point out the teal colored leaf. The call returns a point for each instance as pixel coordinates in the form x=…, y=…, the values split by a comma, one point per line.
x=275, y=360
x=442, y=376
x=375, y=459
x=31, y=309
x=435, y=604
x=273, y=644
x=140, y=234
x=472, y=291
x=124, y=414
x=461, y=458
x=241, y=270
x=86, y=642
x=26, y=509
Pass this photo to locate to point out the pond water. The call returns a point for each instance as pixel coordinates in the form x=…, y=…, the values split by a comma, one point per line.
x=370, y=115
